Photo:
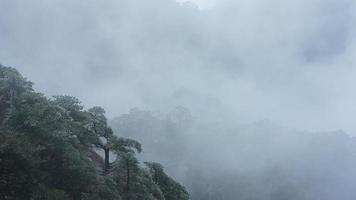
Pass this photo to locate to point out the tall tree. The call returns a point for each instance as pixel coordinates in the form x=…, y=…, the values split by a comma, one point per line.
x=12, y=86
x=103, y=132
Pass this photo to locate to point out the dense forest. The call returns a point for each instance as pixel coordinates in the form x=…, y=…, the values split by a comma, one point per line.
x=53, y=148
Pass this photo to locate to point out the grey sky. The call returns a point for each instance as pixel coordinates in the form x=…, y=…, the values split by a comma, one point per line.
x=292, y=62
x=202, y=4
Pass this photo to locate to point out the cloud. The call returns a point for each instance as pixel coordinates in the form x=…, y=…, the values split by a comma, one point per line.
x=289, y=61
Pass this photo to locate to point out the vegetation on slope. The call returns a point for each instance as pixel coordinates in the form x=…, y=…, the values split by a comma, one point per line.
x=49, y=149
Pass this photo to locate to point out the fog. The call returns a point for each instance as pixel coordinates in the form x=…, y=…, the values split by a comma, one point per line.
x=231, y=63
x=290, y=62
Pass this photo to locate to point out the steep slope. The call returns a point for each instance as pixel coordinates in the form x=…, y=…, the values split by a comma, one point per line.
x=49, y=150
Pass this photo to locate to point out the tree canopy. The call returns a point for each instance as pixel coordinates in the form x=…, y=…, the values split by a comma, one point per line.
x=55, y=149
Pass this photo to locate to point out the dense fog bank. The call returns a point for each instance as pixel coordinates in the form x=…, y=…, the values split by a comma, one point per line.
x=290, y=62
x=253, y=161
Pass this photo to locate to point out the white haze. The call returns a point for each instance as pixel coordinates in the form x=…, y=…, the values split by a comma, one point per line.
x=292, y=62
x=239, y=66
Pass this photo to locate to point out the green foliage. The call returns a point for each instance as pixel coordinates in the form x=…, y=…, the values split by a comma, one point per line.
x=125, y=145
x=44, y=193
x=48, y=149
x=171, y=189
x=107, y=190
x=134, y=182
x=19, y=167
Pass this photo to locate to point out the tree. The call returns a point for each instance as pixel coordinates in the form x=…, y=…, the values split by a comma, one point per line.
x=48, y=149
x=103, y=132
x=107, y=140
x=19, y=165
x=134, y=182
x=171, y=189
x=12, y=86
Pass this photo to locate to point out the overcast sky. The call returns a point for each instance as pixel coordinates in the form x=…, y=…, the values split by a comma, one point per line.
x=292, y=62
x=202, y=4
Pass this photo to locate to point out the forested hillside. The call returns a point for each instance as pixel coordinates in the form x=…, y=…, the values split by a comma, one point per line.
x=52, y=148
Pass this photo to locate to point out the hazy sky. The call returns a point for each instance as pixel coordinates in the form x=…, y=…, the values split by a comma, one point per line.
x=203, y=4
x=292, y=62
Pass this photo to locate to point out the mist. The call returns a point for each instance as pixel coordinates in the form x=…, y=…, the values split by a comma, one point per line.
x=283, y=69
x=291, y=62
